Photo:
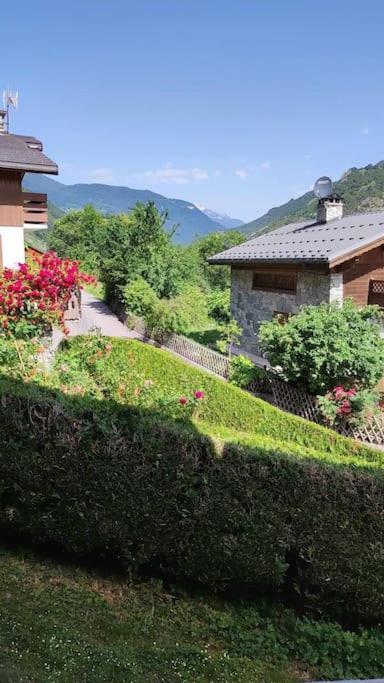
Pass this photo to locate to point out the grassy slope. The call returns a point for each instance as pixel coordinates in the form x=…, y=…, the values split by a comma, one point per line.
x=227, y=413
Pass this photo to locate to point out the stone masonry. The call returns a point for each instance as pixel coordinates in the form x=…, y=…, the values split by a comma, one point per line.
x=250, y=307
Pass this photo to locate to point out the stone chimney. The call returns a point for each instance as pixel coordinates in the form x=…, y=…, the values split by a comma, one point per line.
x=330, y=208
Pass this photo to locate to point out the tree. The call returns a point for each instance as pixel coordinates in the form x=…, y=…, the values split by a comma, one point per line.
x=136, y=245
x=328, y=345
x=77, y=236
x=218, y=277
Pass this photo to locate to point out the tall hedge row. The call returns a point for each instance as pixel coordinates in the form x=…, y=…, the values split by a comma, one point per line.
x=159, y=495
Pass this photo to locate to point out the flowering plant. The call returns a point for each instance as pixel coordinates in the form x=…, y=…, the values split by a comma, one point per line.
x=33, y=298
x=341, y=405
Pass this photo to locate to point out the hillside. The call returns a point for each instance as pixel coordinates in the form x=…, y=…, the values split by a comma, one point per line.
x=361, y=188
x=112, y=199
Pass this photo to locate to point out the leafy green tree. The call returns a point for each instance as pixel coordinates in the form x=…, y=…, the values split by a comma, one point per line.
x=218, y=277
x=78, y=235
x=136, y=245
x=139, y=297
x=328, y=345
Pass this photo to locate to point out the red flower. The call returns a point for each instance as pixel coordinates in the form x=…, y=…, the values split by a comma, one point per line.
x=199, y=395
x=183, y=401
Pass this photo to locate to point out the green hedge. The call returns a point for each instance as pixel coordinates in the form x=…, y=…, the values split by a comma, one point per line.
x=160, y=494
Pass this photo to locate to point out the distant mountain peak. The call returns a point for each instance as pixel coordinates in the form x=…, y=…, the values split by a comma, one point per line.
x=222, y=218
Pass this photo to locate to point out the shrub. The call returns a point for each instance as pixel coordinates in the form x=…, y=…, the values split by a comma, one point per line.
x=341, y=406
x=219, y=305
x=140, y=298
x=326, y=345
x=243, y=372
x=181, y=314
x=32, y=300
x=230, y=335
x=279, y=500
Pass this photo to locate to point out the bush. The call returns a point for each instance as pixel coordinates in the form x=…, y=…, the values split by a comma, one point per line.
x=278, y=501
x=243, y=372
x=181, y=314
x=326, y=345
x=219, y=305
x=348, y=406
x=140, y=298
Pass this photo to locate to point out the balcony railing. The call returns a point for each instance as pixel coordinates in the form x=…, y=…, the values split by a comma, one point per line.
x=35, y=208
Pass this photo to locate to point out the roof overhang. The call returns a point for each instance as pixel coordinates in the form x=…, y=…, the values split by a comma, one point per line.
x=267, y=262
x=338, y=260
x=30, y=168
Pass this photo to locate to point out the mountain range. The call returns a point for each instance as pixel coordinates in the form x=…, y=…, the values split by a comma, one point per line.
x=190, y=220
x=362, y=190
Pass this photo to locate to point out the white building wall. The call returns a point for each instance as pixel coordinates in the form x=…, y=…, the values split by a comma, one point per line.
x=336, y=288
x=12, y=245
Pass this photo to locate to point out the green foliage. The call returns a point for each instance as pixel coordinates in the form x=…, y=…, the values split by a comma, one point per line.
x=135, y=246
x=230, y=335
x=243, y=372
x=348, y=406
x=62, y=624
x=77, y=235
x=219, y=305
x=326, y=345
x=218, y=277
x=180, y=314
x=139, y=297
x=243, y=493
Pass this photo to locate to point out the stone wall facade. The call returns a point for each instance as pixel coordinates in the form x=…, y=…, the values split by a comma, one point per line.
x=250, y=307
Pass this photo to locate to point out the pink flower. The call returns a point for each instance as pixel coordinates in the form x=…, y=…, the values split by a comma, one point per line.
x=183, y=401
x=199, y=395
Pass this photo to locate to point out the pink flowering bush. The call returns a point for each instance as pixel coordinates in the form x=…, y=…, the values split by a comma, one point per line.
x=341, y=405
x=33, y=298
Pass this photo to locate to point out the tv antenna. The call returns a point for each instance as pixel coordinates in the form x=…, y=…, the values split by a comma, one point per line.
x=10, y=99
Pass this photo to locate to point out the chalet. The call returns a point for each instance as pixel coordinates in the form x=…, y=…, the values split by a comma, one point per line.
x=329, y=259
x=19, y=210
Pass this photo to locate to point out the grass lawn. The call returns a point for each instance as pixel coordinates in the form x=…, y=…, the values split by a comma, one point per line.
x=207, y=336
x=60, y=623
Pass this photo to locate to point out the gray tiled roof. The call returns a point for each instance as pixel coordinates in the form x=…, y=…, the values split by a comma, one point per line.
x=15, y=153
x=308, y=241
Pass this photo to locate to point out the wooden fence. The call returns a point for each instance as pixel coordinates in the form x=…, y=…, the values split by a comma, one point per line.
x=281, y=394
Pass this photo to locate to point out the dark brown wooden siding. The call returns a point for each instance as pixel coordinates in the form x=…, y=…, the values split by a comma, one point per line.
x=11, y=200
x=357, y=274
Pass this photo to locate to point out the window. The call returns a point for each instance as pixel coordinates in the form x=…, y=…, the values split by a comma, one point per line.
x=376, y=293
x=276, y=282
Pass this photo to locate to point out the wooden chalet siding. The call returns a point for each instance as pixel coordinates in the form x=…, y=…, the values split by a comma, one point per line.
x=358, y=273
x=11, y=200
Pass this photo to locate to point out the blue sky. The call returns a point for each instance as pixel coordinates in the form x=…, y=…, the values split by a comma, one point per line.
x=236, y=105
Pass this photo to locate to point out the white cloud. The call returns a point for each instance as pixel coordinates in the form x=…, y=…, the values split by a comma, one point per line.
x=265, y=165
x=241, y=173
x=101, y=175
x=170, y=174
x=365, y=130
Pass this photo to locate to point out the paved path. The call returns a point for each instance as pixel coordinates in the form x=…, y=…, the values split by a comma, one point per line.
x=96, y=314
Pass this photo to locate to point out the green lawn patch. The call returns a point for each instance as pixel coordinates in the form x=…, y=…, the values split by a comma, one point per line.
x=60, y=624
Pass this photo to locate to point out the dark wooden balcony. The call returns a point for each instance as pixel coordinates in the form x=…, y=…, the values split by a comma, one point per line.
x=35, y=208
